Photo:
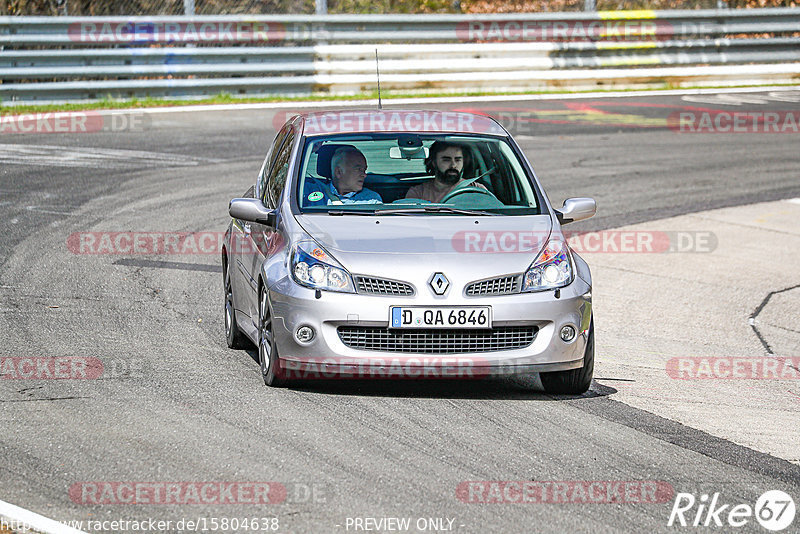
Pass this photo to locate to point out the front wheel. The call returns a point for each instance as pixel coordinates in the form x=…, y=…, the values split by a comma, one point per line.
x=268, y=358
x=573, y=381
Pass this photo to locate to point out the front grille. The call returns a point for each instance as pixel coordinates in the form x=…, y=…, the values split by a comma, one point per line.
x=505, y=285
x=381, y=286
x=431, y=341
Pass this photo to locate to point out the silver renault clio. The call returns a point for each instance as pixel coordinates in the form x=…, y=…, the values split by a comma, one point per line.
x=406, y=244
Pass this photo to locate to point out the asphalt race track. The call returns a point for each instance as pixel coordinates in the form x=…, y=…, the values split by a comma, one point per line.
x=175, y=405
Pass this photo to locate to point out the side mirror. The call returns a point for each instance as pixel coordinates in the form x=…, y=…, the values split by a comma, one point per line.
x=576, y=209
x=252, y=210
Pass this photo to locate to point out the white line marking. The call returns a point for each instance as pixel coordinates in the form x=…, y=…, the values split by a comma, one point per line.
x=61, y=156
x=35, y=521
x=43, y=210
x=439, y=100
x=785, y=96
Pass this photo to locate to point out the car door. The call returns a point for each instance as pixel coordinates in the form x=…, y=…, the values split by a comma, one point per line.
x=243, y=245
x=260, y=237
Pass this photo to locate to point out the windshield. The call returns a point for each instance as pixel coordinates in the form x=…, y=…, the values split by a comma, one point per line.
x=413, y=174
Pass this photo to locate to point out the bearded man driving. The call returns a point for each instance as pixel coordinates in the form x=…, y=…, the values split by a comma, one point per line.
x=446, y=163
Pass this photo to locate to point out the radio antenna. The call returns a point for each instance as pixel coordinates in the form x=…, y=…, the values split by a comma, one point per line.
x=378, y=73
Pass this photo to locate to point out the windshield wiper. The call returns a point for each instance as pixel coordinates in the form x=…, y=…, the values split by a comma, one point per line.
x=351, y=212
x=434, y=209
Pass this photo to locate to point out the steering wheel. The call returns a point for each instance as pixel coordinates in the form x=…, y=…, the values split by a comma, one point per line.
x=468, y=189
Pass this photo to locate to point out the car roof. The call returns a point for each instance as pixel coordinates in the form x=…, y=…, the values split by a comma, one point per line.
x=397, y=121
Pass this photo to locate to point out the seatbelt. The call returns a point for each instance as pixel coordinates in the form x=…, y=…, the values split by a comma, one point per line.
x=326, y=192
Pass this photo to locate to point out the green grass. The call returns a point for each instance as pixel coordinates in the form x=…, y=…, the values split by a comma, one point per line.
x=225, y=98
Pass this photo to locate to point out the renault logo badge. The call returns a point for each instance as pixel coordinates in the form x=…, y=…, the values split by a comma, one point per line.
x=439, y=283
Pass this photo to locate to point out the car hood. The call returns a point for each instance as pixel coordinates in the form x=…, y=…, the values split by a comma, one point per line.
x=394, y=244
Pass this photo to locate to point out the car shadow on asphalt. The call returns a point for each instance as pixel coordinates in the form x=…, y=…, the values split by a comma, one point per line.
x=527, y=387
x=495, y=388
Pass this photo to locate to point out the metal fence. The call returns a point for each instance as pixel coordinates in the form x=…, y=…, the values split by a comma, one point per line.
x=61, y=58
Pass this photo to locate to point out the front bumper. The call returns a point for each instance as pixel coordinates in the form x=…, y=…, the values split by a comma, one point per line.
x=327, y=356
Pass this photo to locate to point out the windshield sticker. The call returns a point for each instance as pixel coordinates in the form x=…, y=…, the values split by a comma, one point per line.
x=315, y=196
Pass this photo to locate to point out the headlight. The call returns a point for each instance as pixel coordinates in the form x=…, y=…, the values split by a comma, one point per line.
x=312, y=267
x=552, y=268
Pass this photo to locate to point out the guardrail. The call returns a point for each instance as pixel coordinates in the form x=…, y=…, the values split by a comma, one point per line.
x=59, y=58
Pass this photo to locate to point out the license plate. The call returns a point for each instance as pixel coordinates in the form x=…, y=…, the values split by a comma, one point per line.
x=440, y=317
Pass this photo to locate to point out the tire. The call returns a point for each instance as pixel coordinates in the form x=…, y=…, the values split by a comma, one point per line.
x=268, y=359
x=233, y=336
x=573, y=381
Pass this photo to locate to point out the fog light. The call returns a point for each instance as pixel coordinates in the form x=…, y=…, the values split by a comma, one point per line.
x=304, y=334
x=567, y=334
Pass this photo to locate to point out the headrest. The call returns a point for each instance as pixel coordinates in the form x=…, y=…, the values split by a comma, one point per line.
x=324, y=156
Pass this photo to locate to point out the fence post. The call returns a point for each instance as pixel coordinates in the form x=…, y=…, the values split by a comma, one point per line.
x=188, y=8
x=589, y=5
x=322, y=7
x=3, y=8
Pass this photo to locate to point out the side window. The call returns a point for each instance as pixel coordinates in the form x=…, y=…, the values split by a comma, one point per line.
x=280, y=170
x=273, y=150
